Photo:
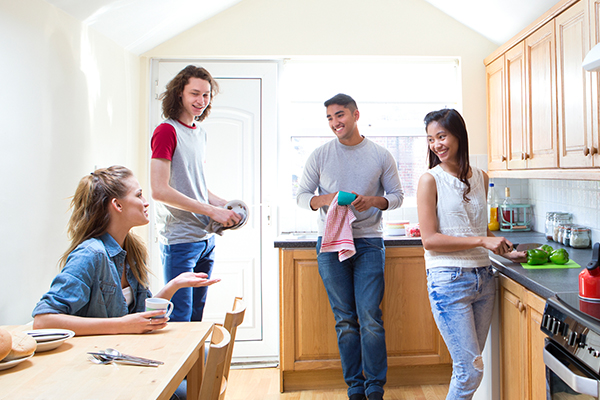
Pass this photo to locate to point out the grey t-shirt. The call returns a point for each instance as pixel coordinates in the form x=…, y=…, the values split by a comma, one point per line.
x=187, y=177
x=366, y=168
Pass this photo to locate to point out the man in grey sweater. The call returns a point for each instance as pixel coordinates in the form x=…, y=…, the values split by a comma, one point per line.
x=355, y=286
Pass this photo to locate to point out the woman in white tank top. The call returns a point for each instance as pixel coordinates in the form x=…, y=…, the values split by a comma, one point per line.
x=451, y=200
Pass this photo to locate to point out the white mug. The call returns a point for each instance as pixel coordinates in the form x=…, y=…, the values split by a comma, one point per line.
x=157, y=303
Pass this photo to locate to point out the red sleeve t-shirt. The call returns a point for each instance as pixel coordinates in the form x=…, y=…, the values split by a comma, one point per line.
x=164, y=141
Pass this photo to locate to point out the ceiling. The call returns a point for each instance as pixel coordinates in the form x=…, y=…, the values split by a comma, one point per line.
x=140, y=25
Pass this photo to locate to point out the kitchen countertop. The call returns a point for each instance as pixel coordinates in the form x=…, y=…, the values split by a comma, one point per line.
x=543, y=282
x=309, y=240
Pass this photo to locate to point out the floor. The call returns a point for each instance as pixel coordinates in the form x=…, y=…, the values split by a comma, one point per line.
x=263, y=384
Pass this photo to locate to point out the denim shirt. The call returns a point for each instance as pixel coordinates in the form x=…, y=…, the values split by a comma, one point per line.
x=90, y=283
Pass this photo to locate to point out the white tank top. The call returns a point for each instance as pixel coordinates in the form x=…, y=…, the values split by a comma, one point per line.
x=459, y=218
x=128, y=294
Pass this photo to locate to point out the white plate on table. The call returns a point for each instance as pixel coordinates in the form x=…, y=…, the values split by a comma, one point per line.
x=13, y=363
x=52, y=338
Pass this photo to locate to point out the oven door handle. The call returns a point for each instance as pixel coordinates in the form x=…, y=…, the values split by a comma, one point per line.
x=578, y=383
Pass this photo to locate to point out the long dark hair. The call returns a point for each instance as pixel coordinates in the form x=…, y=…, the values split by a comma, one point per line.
x=90, y=217
x=454, y=123
x=171, y=99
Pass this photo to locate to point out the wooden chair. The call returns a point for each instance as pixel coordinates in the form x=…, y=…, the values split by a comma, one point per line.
x=233, y=319
x=213, y=383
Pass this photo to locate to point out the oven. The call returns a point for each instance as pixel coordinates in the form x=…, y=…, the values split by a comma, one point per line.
x=572, y=349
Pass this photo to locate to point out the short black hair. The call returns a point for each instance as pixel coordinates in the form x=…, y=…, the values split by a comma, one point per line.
x=342, y=100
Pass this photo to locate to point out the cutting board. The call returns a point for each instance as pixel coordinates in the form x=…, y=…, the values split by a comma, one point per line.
x=570, y=264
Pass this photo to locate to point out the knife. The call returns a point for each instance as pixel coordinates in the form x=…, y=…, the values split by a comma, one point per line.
x=526, y=246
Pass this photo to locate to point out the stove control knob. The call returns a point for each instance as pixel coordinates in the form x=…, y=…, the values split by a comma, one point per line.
x=596, y=354
x=572, y=338
x=545, y=319
x=556, y=327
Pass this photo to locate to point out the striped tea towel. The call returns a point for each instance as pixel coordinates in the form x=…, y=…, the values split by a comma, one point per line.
x=338, y=231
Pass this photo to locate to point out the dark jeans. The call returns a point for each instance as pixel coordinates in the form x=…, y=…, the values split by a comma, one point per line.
x=355, y=290
x=188, y=257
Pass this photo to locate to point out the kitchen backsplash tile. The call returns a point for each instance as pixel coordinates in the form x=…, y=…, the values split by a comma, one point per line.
x=580, y=198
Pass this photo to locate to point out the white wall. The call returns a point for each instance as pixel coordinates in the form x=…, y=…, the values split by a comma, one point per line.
x=70, y=101
x=275, y=28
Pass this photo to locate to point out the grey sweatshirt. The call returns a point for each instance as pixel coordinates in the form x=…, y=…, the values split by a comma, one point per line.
x=367, y=169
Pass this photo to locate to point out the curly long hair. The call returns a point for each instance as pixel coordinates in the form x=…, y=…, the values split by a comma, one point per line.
x=454, y=123
x=171, y=98
x=90, y=217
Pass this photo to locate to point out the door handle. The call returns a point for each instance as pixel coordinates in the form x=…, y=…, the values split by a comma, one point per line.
x=578, y=383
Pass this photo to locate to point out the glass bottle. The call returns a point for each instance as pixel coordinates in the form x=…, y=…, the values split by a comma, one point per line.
x=492, y=204
x=560, y=219
x=507, y=211
x=549, y=224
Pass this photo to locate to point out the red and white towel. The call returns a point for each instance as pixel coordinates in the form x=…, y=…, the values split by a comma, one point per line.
x=338, y=231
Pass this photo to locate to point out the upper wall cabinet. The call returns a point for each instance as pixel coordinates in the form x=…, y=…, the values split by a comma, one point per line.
x=495, y=115
x=543, y=119
x=576, y=144
x=541, y=98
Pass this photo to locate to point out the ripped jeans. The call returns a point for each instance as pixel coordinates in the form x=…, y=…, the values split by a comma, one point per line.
x=462, y=301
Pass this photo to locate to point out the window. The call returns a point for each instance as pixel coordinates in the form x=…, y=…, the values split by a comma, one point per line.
x=393, y=96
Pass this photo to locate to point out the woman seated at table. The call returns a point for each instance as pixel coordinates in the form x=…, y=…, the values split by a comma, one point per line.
x=103, y=284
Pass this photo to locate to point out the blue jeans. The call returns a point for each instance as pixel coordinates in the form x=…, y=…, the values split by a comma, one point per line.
x=188, y=257
x=355, y=290
x=462, y=301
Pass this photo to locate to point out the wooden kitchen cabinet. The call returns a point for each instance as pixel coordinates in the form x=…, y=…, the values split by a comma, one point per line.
x=308, y=344
x=575, y=137
x=547, y=112
x=522, y=369
x=540, y=64
x=516, y=111
x=496, y=119
x=594, y=80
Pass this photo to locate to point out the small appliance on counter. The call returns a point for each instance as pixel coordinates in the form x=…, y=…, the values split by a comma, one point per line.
x=515, y=217
x=589, y=278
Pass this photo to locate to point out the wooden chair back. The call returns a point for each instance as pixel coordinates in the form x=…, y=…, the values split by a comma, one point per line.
x=213, y=382
x=233, y=319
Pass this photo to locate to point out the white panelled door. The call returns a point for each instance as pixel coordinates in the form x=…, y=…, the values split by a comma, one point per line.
x=240, y=165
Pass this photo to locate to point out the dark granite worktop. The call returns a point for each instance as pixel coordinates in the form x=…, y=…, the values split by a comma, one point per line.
x=543, y=282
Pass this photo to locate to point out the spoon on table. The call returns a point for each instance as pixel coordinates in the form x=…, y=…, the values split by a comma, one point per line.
x=100, y=359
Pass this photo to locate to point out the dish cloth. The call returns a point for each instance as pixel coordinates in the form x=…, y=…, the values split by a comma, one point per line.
x=338, y=231
x=218, y=228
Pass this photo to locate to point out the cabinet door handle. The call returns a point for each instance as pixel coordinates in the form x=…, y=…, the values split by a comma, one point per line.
x=520, y=306
x=522, y=156
x=586, y=151
x=526, y=156
x=593, y=151
x=503, y=158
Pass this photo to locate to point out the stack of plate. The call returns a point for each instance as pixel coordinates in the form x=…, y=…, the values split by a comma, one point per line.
x=50, y=339
x=395, y=228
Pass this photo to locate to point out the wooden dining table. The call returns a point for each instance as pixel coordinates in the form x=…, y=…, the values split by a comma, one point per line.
x=67, y=373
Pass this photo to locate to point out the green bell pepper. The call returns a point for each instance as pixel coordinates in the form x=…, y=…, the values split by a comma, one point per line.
x=559, y=256
x=537, y=257
x=547, y=248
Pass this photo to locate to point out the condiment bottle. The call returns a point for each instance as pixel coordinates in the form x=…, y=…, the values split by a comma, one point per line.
x=493, y=224
x=507, y=211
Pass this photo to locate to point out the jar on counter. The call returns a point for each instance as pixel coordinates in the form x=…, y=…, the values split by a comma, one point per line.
x=581, y=237
x=560, y=219
x=550, y=225
x=564, y=234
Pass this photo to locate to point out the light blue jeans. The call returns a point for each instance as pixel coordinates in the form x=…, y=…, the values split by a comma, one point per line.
x=462, y=301
x=355, y=290
x=188, y=257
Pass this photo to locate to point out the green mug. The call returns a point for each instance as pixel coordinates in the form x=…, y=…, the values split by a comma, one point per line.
x=345, y=198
